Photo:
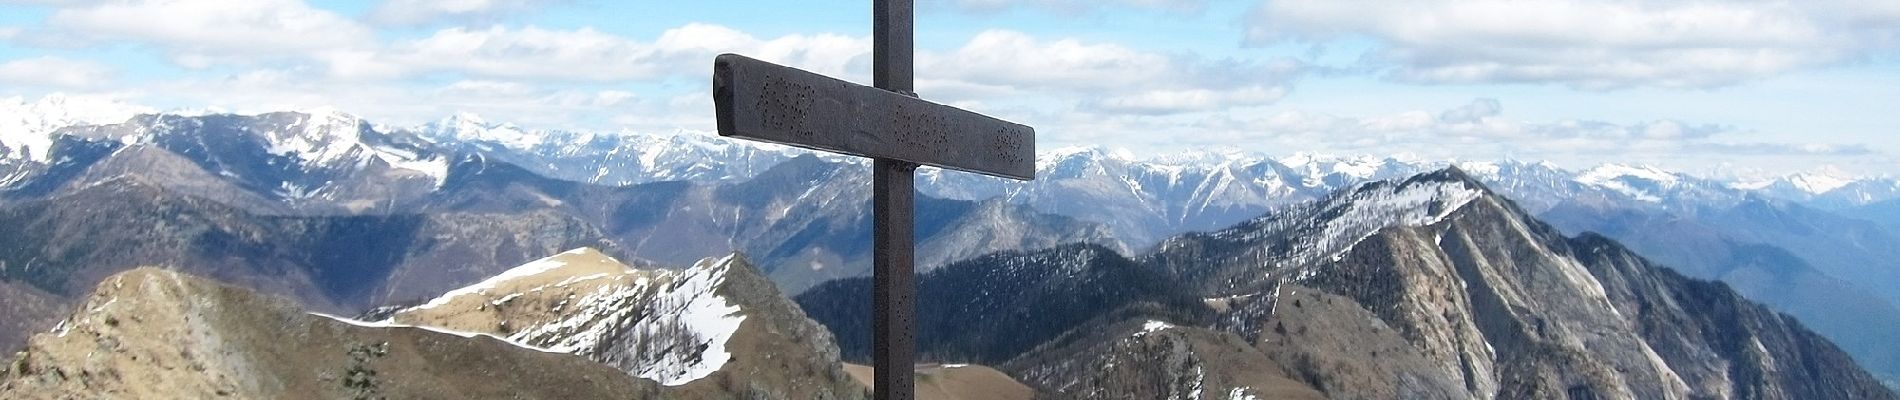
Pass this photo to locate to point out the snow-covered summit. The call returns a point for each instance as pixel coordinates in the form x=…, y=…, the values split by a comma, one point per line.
x=469, y=127
x=26, y=128
x=1318, y=230
x=1642, y=182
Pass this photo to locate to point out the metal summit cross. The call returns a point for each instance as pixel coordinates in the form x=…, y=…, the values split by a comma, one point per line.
x=762, y=101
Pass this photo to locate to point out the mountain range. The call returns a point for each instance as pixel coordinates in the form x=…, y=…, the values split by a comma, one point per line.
x=271, y=200
x=1429, y=286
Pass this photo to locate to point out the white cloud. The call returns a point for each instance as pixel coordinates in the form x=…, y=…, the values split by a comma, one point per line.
x=1475, y=111
x=46, y=2
x=421, y=12
x=54, y=72
x=1480, y=130
x=1158, y=102
x=586, y=54
x=1108, y=77
x=1589, y=44
x=825, y=53
x=209, y=28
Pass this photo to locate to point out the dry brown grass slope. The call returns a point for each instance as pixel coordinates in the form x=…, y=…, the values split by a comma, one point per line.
x=955, y=382
x=716, y=330
x=155, y=334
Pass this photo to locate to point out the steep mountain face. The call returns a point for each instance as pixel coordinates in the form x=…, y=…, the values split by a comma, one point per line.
x=32, y=179
x=1850, y=314
x=717, y=327
x=149, y=333
x=1505, y=306
x=1424, y=287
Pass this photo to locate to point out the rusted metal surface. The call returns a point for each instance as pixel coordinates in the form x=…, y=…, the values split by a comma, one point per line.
x=769, y=102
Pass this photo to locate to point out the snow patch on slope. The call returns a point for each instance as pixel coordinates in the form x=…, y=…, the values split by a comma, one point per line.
x=667, y=326
x=1363, y=211
x=330, y=137
x=1153, y=326
x=690, y=304
x=1241, y=393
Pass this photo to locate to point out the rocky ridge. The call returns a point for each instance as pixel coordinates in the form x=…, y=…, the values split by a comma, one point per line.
x=716, y=327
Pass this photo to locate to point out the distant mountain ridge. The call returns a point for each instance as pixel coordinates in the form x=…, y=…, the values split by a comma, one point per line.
x=619, y=158
x=1430, y=286
x=681, y=196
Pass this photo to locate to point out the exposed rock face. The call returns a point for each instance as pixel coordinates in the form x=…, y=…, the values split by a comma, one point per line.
x=1500, y=305
x=155, y=334
x=1782, y=255
x=1338, y=347
x=717, y=329
x=1424, y=287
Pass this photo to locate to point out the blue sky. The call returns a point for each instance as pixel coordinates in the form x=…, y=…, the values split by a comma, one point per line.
x=1714, y=87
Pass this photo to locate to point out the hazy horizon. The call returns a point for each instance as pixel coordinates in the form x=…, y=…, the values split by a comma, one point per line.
x=1689, y=86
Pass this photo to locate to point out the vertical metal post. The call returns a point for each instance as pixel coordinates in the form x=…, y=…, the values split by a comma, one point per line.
x=894, y=293
x=891, y=56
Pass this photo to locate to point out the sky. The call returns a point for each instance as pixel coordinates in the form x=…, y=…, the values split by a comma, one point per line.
x=1720, y=88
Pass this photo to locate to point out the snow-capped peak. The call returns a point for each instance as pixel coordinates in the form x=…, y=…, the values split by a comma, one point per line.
x=470, y=127
x=26, y=128
x=1642, y=182
x=1818, y=183
x=1092, y=153
x=1608, y=172
x=329, y=137
x=1480, y=168
x=1332, y=226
